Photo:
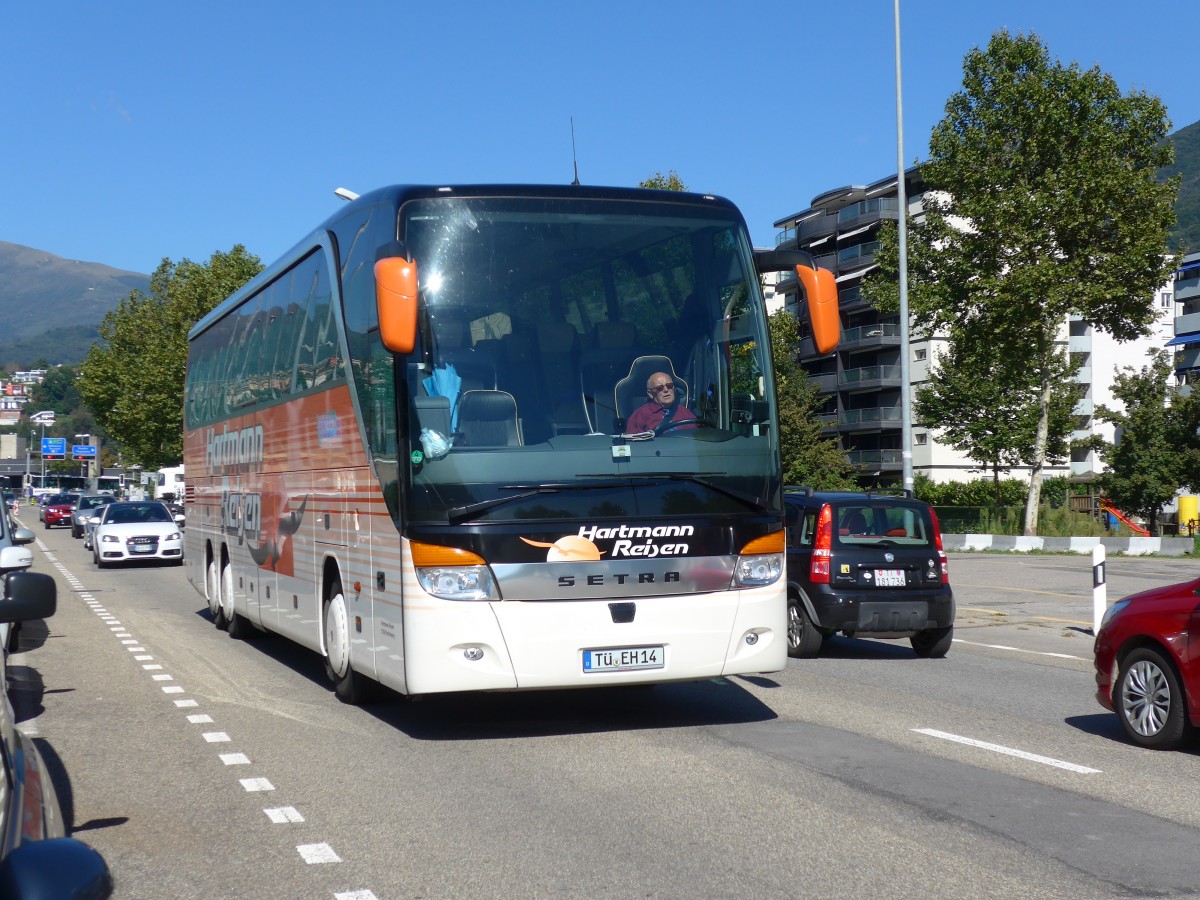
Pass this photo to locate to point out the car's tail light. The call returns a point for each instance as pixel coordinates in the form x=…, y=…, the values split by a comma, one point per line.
x=937, y=541
x=822, y=543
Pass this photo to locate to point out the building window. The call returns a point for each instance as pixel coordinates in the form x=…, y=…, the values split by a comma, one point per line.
x=920, y=439
x=921, y=354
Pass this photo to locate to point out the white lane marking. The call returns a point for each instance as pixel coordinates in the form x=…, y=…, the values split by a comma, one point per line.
x=1008, y=751
x=284, y=815
x=314, y=854
x=1019, y=650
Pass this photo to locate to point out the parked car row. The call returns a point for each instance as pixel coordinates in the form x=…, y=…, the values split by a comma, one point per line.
x=37, y=859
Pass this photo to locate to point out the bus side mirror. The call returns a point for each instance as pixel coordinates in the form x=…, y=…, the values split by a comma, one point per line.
x=820, y=289
x=396, y=301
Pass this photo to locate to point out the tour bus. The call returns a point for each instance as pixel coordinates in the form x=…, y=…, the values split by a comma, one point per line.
x=407, y=446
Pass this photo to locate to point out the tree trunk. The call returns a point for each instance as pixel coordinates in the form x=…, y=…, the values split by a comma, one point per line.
x=1034, y=498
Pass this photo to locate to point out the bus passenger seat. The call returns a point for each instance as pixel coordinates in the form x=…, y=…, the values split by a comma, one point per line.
x=488, y=419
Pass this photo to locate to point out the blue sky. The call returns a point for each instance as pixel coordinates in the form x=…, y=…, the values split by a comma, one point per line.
x=134, y=131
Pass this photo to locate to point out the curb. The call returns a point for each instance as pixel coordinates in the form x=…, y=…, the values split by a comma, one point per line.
x=1130, y=546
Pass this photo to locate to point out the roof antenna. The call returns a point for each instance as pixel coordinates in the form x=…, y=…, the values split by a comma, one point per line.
x=574, y=160
x=345, y=194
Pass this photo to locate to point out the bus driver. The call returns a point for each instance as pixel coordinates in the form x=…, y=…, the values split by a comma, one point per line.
x=661, y=409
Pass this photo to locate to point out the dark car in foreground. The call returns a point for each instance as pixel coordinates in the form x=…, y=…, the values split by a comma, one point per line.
x=36, y=858
x=1147, y=658
x=866, y=565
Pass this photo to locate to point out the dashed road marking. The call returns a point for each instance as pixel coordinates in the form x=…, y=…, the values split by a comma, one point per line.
x=312, y=854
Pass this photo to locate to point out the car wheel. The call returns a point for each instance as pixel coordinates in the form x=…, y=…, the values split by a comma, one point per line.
x=804, y=638
x=349, y=686
x=75, y=532
x=1149, y=701
x=100, y=564
x=933, y=643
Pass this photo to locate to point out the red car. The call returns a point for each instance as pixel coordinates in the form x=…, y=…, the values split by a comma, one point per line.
x=1148, y=664
x=58, y=511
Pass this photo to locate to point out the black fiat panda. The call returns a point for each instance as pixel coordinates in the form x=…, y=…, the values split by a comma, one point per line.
x=865, y=565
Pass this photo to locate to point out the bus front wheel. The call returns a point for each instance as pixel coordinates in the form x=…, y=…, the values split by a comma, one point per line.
x=349, y=686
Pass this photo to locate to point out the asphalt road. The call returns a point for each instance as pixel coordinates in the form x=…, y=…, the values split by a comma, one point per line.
x=201, y=766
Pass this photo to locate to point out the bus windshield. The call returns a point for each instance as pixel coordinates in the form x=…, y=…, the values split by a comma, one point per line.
x=584, y=358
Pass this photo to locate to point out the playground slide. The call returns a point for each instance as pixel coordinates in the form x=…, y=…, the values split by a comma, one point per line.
x=1136, y=529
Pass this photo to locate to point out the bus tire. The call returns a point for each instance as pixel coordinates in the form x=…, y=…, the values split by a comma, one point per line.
x=349, y=686
x=212, y=583
x=226, y=612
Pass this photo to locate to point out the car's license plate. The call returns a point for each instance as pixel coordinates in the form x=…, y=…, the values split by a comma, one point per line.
x=889, y=577
x=623, y=659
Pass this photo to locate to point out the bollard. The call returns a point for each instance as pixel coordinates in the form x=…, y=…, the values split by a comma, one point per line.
x=1099, y=592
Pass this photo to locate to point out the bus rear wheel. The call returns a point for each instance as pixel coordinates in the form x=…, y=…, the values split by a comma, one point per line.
x=225, y=611
x=348, y=685
x=212, y=584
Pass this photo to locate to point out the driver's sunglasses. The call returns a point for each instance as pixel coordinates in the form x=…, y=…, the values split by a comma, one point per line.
x=659, y=388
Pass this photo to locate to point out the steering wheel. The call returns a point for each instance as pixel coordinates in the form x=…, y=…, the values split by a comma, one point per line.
x=682, y=423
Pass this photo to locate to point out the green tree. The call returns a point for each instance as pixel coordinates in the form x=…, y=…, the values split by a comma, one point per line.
x=808, y=457
x=1042, y=202
x=133, y=381
x=1156, y=445
x=992, y=418
x=660, y=182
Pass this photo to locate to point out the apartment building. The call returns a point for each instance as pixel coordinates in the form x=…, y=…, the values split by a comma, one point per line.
x=1186, y=339
x=861, y=384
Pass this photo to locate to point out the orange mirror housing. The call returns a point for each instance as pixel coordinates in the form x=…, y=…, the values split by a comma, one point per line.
x=396, y=301
x=820, y=288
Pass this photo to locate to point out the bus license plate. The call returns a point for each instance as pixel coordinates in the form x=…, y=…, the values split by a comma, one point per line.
x=889, y=577
x=623, y=659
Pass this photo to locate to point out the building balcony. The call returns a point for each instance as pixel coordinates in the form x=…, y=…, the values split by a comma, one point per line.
x=859, y=256
x=1082, y=408
x=870, y=377
x=880, y=335
x=870, y=419
x=868, y=212
x=825, y=383
x=1187, y=288
x=882, y=460
x=1187, y=324
x=816, y=227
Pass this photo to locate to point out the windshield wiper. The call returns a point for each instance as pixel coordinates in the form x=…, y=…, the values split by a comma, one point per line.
x=700, y=478
x=458, y=513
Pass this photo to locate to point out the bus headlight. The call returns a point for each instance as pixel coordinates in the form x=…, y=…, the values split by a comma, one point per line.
x=452, y=573
x=458, y=582
x=755, y=571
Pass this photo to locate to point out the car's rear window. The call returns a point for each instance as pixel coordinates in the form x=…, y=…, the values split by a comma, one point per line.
x=875, y=521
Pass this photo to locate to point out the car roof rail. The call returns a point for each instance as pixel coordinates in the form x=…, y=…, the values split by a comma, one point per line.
x=892, y=492
x=804, y=489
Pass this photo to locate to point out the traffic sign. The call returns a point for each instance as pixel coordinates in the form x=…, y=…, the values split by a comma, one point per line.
x=83, y=451
x=54, y=448
x=45, y=417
